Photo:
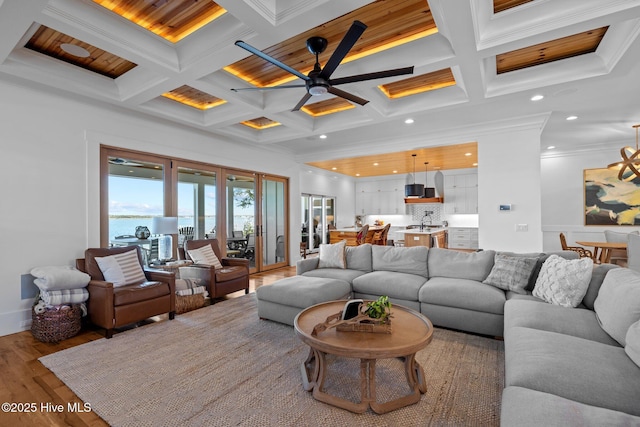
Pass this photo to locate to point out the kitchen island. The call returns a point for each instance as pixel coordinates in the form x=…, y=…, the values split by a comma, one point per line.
x=350, y=234
x=429, y=237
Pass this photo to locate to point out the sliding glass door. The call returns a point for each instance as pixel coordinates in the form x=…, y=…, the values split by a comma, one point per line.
x=273, y=230
x=318, y=215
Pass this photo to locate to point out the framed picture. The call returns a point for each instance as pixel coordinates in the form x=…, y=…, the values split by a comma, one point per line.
x=609, y=201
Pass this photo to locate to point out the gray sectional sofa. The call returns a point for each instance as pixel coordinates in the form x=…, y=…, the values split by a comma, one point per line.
x=443, y=284
x=563, y=366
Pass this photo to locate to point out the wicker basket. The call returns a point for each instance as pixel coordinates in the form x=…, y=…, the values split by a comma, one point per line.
x=185, y=303
x=56, y=324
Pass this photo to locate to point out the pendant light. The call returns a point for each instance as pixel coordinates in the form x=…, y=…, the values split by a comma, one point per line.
x=429, y=192
x=630, y=160
x=414, y=190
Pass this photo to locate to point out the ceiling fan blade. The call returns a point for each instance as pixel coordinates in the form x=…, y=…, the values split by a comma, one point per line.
x=347, y=96
x=303, y=101
x=266, y=88
x=349, y=39
x=372, y=76
x=270, y=59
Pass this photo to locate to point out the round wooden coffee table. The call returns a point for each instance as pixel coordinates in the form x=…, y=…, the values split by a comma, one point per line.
x=411, y=332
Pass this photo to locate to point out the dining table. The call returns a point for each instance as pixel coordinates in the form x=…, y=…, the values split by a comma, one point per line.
x=602, y=250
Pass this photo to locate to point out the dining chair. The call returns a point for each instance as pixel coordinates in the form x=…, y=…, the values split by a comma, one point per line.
x=618, y=256
x=633, y=251
x=584, y=253
x=380, y=237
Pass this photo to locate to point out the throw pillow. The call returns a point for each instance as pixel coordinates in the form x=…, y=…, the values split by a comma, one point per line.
x=632, y=347
x=121, y=269
x=333, y=256
x=511, y=273
x=205, y=256
x=618, y=303
x=563, y=282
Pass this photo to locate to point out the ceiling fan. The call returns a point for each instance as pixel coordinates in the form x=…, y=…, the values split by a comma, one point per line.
x=318, y=81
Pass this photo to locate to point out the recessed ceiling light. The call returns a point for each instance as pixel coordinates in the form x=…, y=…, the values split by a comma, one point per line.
x=75, y=50
x=408, y=121
x=551, y=147
x=357, y=174
x=467, y=154
x=323, y=136
x=334, y=168
x=375, y=164
x=475, y=164
x=571, y=117
x=395, y=171
x=537, y=97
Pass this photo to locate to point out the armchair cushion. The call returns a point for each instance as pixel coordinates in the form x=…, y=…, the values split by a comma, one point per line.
x=229, y=273
x=130, y=294
x=121, y=269
x=204, y=255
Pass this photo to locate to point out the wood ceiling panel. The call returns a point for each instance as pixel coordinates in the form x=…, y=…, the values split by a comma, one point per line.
x=49, y=41
x=390, y=23
x=554, y=50
x=260, y=123
x=502, y=5
x=329, y=106
x=172, y=20
x=439, y=158
x=194, y=98
x=419, y=84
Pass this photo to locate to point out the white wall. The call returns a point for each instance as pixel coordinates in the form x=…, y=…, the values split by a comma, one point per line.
x=323, y=183
x=49, y=178
x=562, y=184
x=509, y=173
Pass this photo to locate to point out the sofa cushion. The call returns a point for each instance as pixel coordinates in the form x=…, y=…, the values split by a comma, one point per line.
x=345, y=274
x=400, y=259
x=618, y=302
x=121, y=269
x=511, y=273
x=563, y=282
x=522, y=407
x=542, y=257
x=393, y=284
x=460, y=265
x=359, y=257
x=333, y=255
x=597, y=277
x=577, y=322
x=574, y=368
x=632, y=348
x=462, y=293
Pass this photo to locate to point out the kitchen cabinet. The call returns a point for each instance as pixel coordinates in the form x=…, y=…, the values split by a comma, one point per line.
x=384, y=197
x=462, y=238
x=461, y=194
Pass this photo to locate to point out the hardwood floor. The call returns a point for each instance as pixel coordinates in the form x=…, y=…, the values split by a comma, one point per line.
x=29, y=386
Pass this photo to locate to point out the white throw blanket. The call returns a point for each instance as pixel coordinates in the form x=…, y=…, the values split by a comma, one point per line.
x=65, y=296
x=59, y=278
x=190, y=287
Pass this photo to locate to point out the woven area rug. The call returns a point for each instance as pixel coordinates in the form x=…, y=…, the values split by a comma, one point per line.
x=222, y=366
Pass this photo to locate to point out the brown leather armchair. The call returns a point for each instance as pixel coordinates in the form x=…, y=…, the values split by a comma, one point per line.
x=110, y=307
x=232, y=277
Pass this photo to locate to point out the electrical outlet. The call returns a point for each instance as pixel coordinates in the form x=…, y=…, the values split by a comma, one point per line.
x=522, y=227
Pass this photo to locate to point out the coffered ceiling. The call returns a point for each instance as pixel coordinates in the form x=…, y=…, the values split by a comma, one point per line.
x=476, y=65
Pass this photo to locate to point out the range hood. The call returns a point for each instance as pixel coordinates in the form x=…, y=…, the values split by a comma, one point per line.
x=414, y=190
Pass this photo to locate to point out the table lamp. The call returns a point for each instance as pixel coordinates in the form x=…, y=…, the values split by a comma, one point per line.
x=165, y=225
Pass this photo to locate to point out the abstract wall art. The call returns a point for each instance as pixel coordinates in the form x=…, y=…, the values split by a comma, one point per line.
x=609, y=201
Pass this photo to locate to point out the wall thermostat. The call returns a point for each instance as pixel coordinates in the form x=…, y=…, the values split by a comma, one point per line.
x=505, y=207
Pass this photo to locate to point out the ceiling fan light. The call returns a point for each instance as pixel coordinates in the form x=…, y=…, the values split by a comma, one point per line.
x=318, y=90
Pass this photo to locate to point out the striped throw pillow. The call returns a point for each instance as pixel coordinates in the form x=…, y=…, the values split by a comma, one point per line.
x=122, y=269
x=205, y=256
